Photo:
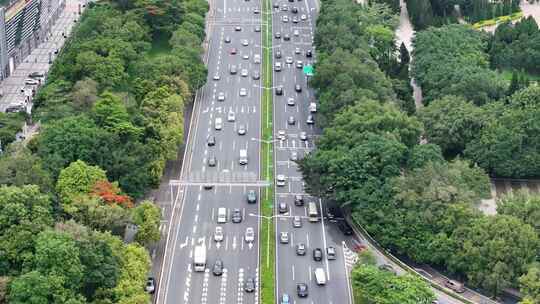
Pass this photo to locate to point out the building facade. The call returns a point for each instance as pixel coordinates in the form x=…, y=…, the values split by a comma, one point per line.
x=23, y=25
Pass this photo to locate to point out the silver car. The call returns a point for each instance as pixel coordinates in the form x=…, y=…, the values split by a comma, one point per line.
x=284, y=237
x=297, y=222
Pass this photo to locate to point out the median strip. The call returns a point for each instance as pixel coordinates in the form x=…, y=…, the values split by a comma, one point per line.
x=267, y=231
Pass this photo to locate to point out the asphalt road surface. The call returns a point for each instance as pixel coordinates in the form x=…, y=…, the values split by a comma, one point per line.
x=292, y=268
x=195, y=208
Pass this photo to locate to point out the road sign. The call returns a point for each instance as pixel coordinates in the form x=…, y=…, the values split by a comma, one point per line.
x=308, y=70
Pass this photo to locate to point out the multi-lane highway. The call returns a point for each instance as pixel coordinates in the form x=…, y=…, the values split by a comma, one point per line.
x=297, y=21
x=233, y=59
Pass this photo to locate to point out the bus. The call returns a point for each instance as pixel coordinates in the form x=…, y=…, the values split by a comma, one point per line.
x=313, y=213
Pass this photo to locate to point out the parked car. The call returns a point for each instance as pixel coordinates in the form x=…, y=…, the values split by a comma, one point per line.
x=150, y=285
x=455, y=286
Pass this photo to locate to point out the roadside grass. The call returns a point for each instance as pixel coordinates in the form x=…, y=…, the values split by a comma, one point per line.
x=267, y=230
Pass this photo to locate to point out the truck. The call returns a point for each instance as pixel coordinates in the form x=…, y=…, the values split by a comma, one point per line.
x=312, y=107
x=320, y=276
x=199, y=258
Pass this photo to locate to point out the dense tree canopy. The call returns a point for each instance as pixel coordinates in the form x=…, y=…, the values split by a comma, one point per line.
x=375, y=286
x=451, y=60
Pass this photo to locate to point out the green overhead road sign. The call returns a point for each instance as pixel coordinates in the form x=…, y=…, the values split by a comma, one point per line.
x=308, y=70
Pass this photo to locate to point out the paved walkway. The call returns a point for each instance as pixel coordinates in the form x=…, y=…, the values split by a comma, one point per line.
x=405, y=34
x=13, y=89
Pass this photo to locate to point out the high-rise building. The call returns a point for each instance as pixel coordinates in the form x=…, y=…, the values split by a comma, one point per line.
x=23, y=25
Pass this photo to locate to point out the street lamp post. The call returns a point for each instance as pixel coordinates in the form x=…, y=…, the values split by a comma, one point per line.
x=269, y=218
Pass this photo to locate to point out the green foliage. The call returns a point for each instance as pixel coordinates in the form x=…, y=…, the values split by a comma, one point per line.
x=10, y=125
x=451, y=122
x=24, y=212
x=522, y=205
x=374, y=286
x=451, y=61
x=509, y=143
x=20, y=167
x=516, y=46
x=134, y=267
x=147, y=217
x=494, y=251
x=422, y=154
x=77, y=179
x=530, y=284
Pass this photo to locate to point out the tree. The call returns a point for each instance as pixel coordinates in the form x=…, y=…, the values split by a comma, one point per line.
x=76, y=180
x=31, y=288
x=24, y=212
x=20, y=167
x=147, y=216
x=522, y=205
x=451, y=122
x=530, y=284
x=494, y=251
x=372, y=285
x=56, y=254
x=422, y=154
x=109, y=112
x=135, y=264
x=404, y=56
x=85, y=93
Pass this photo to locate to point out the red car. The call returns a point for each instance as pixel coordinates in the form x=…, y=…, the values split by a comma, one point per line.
x=233, y=51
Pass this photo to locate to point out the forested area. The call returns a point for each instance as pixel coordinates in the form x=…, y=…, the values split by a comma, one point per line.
x=374, y=285
x=112, y=115
x=409, y=196
x=425, y=13
x=516, y=46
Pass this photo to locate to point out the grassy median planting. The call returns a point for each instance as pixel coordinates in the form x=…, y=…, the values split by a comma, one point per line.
x=267, y=231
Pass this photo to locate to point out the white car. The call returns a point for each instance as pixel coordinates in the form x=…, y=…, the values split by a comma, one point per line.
x=243, y=92
x=289, y=60
x=280, y=180
x=216, y=77
x=296, y=33
x=303, y=17
x=245, y=56
x=245, y=42
x=285, y=19
x=218, y=123
x=249, y=236
x=244, y=73
x=297, y=51
x=221, y=96
x=284, y=237
x=218, y=234
x=231, y=117
x=282, y=135
x=257, y=58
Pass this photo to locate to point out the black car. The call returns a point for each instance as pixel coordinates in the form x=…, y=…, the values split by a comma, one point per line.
x=218, y=268
x=286, y=37
x=211, y=141
x=279, y=90
x=291, y=120
x=302, y=290
x=345, y=228
x=236, y=216
x=252, y=197
x=309, y=53
x=317, y=254
x=150, y=285
x=297, y=88
x=249, y=285
x=277, y=54
x=298, y=200
x=277, y=35
x=212, y=161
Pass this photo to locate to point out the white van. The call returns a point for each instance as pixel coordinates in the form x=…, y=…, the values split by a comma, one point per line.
x=320, y=276
x=218, y=124
x=222, y=215
x=243, y=159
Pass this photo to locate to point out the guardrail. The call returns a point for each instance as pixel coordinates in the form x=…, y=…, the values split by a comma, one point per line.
x=359, y=230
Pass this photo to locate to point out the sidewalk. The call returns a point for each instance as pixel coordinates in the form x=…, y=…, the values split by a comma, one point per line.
x=13, y=88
